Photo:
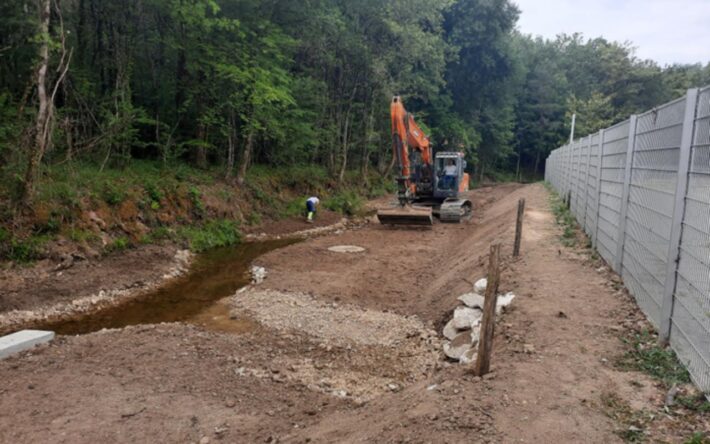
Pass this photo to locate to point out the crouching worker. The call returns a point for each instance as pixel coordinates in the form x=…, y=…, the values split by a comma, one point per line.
x=311, y=206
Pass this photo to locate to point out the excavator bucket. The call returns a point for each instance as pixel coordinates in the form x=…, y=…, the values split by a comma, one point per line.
x=406, y=215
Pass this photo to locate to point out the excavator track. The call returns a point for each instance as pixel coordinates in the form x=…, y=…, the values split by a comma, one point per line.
x=455, y=210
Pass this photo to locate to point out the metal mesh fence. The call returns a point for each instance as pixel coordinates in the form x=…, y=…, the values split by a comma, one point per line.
x=641, y=191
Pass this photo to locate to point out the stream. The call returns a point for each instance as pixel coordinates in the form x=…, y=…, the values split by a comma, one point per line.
x=193, y=298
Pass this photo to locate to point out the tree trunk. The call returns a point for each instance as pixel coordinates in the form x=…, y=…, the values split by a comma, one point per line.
x=344, y=162
x=36, y=152
x=517, y=168
x=365, y=159
x=246, y=159
x=231, y=142
x=390, y=167
x=201, y=152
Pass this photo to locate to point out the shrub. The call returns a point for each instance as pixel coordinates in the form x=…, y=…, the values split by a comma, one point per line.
x=112, y=194
x=345, y=202
x=21, y=250
x=218, y=233
x=198, y=207
x=120, y=244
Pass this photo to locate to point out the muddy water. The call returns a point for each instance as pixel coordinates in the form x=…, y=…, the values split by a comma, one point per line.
x=193, y=298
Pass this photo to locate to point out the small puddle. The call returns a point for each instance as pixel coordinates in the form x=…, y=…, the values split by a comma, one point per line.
x=193, y=298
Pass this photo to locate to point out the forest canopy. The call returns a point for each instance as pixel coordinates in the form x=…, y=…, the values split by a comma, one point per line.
x=232, y=83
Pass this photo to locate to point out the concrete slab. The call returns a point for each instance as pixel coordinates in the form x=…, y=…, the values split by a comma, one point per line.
x=23, y=340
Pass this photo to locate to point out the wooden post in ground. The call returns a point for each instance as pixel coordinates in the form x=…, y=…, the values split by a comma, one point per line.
x=485, y=343
x=519, y=227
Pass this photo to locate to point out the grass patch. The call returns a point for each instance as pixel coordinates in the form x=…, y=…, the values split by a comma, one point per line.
x=698, y=438
x=81, y=235
x=20, y=250
x=696, y=403
x=633, y=422
x=218, y=233
x=295, y=208
x=564, y=218
x=120, y=244
x=645, y=355
x=345, y=202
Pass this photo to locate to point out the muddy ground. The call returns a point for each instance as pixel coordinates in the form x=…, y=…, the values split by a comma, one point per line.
x=346, y=348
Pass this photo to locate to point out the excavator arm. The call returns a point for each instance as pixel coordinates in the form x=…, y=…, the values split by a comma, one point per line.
x=407, y=137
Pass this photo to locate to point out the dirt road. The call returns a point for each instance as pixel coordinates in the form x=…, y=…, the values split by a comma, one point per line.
x=346, y=347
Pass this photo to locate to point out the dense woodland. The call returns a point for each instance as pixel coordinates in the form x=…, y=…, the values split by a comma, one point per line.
x=228, y=84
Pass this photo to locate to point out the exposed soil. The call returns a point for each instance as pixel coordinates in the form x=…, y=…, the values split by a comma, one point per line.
x=47, y=283
x=324, y=218
x=338, y=347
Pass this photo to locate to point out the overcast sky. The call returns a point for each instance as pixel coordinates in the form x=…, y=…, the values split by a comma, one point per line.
x=667, y=31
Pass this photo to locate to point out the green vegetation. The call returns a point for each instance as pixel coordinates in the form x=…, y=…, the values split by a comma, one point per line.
x=697, y=403
x=217, y=233
x=632, y=421
x=346, y=202
x=699, y=438
x=564, y=218
x=249, y=86
x=120, y=244
x=645, y=355
x=21, y=250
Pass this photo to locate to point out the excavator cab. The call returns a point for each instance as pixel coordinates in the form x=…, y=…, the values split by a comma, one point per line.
x=451, y=178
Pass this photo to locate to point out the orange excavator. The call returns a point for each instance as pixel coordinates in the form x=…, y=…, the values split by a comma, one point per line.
x=427, y=185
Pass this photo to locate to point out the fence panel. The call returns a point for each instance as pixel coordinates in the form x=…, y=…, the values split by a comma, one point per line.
x=654, y=174
x=690, y=322
x=616, y=141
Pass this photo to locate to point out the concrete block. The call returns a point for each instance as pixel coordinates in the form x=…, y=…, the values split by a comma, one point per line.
x=23, y=340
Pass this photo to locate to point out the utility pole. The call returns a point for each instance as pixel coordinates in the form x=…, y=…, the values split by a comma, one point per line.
x=571, y=134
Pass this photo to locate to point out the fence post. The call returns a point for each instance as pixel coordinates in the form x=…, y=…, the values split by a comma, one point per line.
x=686, y=144
x=599, y=188
x=586, y=185
x=625, y=195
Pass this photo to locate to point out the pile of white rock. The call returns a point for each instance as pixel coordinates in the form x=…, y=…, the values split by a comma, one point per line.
x=258, y=274
x=463, y=330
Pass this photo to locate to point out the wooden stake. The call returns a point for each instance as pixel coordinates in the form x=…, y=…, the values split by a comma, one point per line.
x=485, y=343
x=519, y=227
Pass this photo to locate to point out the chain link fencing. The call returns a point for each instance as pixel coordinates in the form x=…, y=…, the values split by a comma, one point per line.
x=641, y=191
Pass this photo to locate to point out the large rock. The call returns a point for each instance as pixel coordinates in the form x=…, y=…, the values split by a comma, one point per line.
x=258, y=274
x=450, y=332
x=472, y=300
x=459, y=346
x=466, y=318
x=469, y=357
x=503, y=301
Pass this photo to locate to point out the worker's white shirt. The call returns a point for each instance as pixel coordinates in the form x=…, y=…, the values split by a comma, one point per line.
x=314, y=200
x=450, y=170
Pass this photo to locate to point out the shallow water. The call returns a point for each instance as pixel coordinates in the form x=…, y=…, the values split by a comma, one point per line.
x=193, y=298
